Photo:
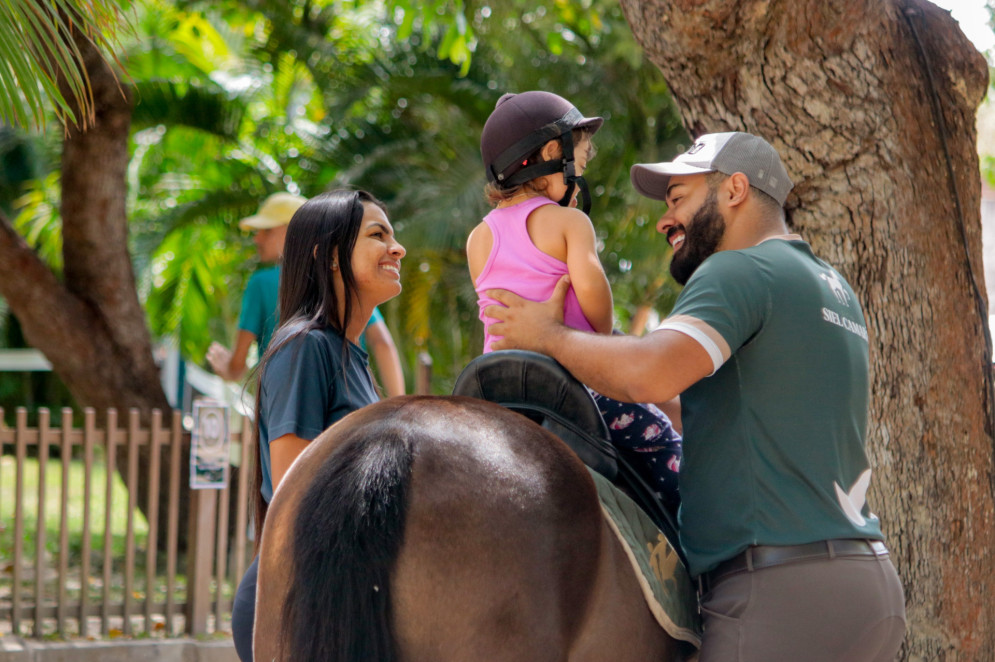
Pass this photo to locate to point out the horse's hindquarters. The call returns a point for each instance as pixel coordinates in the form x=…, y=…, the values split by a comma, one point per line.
x=503, y=554
x=506, y=556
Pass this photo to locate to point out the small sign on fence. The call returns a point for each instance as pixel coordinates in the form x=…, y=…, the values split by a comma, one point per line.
x=209, y=444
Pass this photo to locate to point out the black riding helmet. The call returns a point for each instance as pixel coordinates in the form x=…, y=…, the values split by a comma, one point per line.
x=518, y=128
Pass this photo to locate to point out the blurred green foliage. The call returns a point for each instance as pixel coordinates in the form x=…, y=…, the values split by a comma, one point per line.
x=236, y=100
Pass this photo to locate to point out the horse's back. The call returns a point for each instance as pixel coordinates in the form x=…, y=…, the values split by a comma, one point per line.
x=496, y=513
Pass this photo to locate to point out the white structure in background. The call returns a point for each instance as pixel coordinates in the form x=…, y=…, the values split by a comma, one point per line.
x=181, y=381
x=23, y=360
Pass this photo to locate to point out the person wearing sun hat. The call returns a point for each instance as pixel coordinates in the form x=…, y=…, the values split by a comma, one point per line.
x=768, y=349
x=258, y=317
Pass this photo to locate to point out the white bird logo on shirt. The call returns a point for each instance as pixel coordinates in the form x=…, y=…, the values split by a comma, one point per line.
x=852, y=502
x=836, y=285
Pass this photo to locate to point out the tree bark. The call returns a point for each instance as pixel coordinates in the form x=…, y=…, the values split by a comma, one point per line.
x=91, y=326
x=872, y=105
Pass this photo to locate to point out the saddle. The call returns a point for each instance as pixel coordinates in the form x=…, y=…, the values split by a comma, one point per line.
x=538, y=387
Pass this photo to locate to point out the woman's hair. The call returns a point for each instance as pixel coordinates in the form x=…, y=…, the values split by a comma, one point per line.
x=322, y=232
x=496, y=194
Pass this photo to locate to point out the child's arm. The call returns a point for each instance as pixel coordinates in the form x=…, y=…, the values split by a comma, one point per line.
x=478, y=249
x=586, y=273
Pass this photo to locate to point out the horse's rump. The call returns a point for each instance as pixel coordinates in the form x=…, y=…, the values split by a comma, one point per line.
x=444, y=529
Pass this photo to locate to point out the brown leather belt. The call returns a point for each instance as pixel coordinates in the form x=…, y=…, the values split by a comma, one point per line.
x=767, y=556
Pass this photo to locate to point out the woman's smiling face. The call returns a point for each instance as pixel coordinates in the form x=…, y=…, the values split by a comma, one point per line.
x=376, y=258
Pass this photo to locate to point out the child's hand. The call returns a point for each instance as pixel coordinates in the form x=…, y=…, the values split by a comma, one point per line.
x=524, y=324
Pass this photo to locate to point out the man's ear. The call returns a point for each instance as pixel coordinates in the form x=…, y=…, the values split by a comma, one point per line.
x=736, y=188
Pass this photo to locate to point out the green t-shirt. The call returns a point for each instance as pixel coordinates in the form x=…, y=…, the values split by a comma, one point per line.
x=774, y=439
x=375, y=317
x=259, y=314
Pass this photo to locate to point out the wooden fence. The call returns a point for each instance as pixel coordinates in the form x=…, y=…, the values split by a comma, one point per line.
x=47, y=593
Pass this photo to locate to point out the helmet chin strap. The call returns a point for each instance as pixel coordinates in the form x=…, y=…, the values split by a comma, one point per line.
x=576, y=182
x=570, y=176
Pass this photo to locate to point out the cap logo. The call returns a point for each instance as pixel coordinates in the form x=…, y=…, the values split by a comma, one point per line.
x=697, y=147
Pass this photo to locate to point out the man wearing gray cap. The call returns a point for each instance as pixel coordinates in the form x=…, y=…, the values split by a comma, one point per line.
x=767, y=347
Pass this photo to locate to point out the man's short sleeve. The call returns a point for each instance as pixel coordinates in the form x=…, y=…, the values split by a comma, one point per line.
x=723, y=305
x=253, y=317
x=296, y=387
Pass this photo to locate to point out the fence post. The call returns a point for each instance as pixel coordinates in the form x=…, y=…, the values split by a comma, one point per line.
x=89, y=439
x=110, y=471
x=200, y=559
x=21, y=453
x=151, y=546
x=41, y=530
x=129, y=540
x=66, y=457
x=423, y=374
x=248, y=458
x=173, y=523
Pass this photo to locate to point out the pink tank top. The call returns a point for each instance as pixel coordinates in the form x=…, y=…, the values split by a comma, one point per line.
x=515, y=264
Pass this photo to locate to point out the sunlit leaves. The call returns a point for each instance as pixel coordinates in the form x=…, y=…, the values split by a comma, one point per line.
x=199, y=43
x=238, y=99
x=442, y=22
x=38, y=219
x=189, y=287
x=240, y=124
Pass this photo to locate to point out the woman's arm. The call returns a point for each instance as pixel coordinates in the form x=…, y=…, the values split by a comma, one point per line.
x=282, y=452
x=388, y=361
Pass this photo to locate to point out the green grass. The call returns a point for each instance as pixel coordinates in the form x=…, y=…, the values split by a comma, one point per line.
x=53, y=507
x=53, y=504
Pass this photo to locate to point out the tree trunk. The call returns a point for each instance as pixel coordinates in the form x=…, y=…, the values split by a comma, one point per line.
x=872, y=106
x=91, y=326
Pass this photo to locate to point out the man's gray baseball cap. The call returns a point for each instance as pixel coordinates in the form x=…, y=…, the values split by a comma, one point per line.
x=727, y=153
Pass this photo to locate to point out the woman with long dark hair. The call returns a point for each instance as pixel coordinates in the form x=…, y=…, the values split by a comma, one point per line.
x=340, y=260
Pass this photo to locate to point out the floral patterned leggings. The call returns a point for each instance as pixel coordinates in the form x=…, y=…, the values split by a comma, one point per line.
x=645, y=437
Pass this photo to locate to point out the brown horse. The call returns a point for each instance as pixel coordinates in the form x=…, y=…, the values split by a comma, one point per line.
x=445, y=529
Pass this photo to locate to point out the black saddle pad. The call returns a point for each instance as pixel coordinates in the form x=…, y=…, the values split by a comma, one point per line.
x=540, y=388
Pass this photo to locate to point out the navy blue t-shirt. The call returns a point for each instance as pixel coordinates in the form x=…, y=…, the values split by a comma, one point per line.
x=305, y=388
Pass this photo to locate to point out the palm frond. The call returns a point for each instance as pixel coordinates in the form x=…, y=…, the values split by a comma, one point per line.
x=205, y=107
x=37, y=48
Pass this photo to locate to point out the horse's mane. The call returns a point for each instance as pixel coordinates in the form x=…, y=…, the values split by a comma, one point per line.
x=348, y=530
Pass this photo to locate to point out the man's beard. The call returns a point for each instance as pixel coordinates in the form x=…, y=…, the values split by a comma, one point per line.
x=701, y=238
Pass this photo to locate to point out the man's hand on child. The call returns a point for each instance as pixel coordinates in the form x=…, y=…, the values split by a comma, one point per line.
x=524, y=324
